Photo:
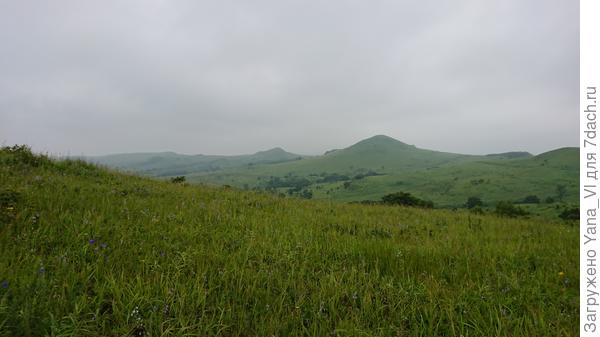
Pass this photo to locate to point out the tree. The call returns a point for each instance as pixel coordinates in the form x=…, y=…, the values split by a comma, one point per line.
x=506, y=208
x=307, y=194
x=571, y=213
x=474, y=202
x=405, y=199
x=531, y=199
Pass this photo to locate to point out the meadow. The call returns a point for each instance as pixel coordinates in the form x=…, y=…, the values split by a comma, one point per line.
x=87, y=251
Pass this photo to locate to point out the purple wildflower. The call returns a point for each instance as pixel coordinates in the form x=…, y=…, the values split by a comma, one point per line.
x=4, y=284
x=92, y=241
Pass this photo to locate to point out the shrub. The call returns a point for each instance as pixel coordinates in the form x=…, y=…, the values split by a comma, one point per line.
x=506, y=208
x=306, y=194
x=22, y=155
x=531, y=199
x=474, y=202
x=369, y=173
x=178, y=180
x=571, y=213
x=405, y=199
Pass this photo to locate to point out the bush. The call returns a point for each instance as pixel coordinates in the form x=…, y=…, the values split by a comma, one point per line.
x=306, y=194
x=549, y=200
x=474, y=202
x=405, y=199
x=506, y=208
x=332, y=178
x=369, y=173
x=178, y=180
x=531, y=199
x=22, y=155
x=571, y=213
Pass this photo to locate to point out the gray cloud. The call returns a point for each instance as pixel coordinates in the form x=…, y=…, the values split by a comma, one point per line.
x=236, y=76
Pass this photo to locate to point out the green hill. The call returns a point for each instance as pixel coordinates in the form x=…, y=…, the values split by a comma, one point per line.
x=171, y=164
x=90, y=252
x=380, y=165
x=386, y=154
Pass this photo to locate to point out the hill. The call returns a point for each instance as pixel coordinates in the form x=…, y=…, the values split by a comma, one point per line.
x=88, y=252
x=382, y=153
x=380, y=165
x=172, y=164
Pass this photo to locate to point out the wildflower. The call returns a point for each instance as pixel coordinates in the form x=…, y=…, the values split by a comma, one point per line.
x=4, y=284
x=92, y=241
x=561, y=274
x=10, y=208
x=42, y=270
x=135, y=313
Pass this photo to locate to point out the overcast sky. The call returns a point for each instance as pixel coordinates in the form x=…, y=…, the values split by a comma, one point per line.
x=235, y=76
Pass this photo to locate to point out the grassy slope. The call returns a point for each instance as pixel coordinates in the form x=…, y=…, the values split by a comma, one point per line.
x=184, y=260
x=491, y=180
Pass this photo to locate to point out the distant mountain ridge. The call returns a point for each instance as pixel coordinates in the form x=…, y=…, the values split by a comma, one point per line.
x=171, y=163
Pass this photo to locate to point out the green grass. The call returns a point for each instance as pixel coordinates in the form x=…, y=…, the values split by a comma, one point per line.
x=170, y=259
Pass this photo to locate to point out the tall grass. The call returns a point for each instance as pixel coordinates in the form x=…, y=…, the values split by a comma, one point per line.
x=89, y=252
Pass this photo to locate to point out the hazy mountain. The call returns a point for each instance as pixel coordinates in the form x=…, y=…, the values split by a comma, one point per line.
x=171, y=163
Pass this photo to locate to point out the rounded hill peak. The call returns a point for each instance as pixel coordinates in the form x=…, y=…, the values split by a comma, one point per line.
x=380, y=140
